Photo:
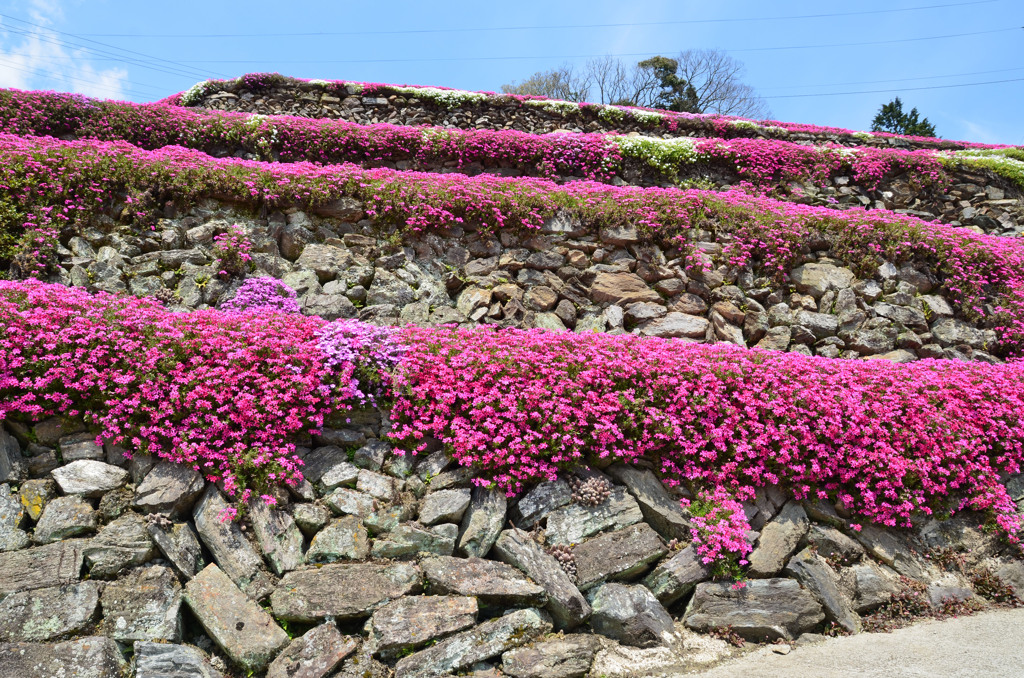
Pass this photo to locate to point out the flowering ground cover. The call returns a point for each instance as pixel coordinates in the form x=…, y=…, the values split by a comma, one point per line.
x=447, y=97
x=47, y=184
x=229, y=392
x=763, y=163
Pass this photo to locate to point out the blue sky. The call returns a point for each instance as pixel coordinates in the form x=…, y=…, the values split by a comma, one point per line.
x=142, y=51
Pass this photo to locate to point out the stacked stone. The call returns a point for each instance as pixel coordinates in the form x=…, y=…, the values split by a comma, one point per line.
x=379, y=563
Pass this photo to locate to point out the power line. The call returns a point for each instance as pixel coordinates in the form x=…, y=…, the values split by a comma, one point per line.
x=898, y=89
x=875, y=82
x=61, y=76
x=535, y=28
x=591, y=56
x=188, y=71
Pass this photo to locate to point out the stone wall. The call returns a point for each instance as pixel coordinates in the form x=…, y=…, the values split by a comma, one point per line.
x=561, y=278
x=379, y=563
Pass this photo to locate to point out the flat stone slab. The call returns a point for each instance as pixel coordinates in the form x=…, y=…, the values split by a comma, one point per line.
x=123, y=543
x=328, y=467
x=230, y=549
x=314, y=655
x=482, y=522
x=410, y=539
x=444, y=506
x=277, y=535
x=65, y=517
x=342, y=539
x=568, y=657
x=180, y=545
x=630, y=615
x=811, y=570
x=779, y=540
x=164, y=660
x=539, y=501
x=660, y=510
x=145, y=604
x=89, y=478
x=414, y=621
x=762, y=609
x=342, y=591
x=565, y=603
x=675, y=577
x=169, y=488
x=44, y=614
x=895, y=549
x=574, y=523
x=620, y=555
x=41, y=567
x=12, y=516
x=346, y=502
x=493, y=583
x=89, y=657
x=461, y=651
x=240, y=627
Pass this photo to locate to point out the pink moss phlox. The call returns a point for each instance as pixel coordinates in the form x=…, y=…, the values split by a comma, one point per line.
x=261, y=295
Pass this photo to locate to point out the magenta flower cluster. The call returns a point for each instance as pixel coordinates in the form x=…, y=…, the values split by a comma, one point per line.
x=885, y=441
x=262, y=295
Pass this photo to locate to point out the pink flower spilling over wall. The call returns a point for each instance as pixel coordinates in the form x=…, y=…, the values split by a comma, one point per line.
x=67, y=181
x=887, y=441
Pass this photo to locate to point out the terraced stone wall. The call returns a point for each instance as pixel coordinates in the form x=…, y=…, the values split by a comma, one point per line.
x=380, y=565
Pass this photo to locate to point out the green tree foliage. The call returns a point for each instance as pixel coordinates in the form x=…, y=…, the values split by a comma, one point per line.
x=676, y=93
x=891, y=118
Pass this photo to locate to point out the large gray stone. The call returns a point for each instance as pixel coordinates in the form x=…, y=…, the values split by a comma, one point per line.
x=122, y=544
x=41, y=567
x=492, y=582
x=169, y=488
x=659, y=509
x=674, y=578
x=326, y=261
x=316, y=654
x=45, y=614
x=566, y=604
x=35, y=494
x=953, y=332
x=621, y=288
x=12, y=517
x=311, y=518
x=329, y=467
x=181, y=547
x=65, y=517
x=376, y=485
x=539, y=501
x=444, y=506
x=461, y=651
x=345, y=502
x=277, y=535
x=778, y=541
x=88, y=657
x=762, y=609
x=414, y=621
x=342, y=591
x=143, y=605
x=387, y=288
x=867, y=586
x=573, y=523
x=676, y=325
x=630, y=615
x=80, y=446
x=811, y=570
x=229, y=547
x=165, y=660
x=410, y=539
x=13, y=467
x=821, y=325
x=89, y=478
x=568, y=657
x=816, y=279
x=898, y=550
x=240, y=627
x=616, y=556
x=342, y=539
x=482, y=522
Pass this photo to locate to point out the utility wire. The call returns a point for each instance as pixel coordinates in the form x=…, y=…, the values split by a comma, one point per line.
x=591, y=56
x=181, y=69
x=535, y=28
x=898, y=89
x=877, y=82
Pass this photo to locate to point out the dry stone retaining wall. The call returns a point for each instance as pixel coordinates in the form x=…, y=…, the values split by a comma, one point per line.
x=379, y=563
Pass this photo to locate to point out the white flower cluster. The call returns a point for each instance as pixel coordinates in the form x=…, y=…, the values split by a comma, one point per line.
x=449, y=98
x=195, y=93
x=665, y=155
x=552, y=106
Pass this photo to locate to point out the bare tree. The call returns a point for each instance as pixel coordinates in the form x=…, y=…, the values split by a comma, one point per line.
x=716, y=77
x=713, y=75
x=559, y=83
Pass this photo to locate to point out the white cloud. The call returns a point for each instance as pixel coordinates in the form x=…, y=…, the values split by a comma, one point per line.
x=33, y=57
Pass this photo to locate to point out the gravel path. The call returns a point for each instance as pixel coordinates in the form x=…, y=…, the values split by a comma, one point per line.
x=989, y=645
